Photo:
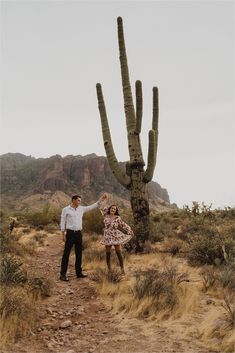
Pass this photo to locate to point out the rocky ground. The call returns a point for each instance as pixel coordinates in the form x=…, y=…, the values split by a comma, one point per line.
x=74, y=319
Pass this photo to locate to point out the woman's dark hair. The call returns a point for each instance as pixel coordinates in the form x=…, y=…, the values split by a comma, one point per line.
x=116, y=213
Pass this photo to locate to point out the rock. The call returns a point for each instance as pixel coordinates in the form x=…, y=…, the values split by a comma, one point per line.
x=50, y=345
x=66, y=324
x=210, y=301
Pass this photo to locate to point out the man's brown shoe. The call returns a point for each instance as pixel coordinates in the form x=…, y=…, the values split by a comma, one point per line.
x=64, y=278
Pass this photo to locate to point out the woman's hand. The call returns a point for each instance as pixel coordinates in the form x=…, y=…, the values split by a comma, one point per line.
x=103, y=197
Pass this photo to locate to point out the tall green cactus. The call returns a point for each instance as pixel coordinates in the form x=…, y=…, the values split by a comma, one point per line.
x=135, y=178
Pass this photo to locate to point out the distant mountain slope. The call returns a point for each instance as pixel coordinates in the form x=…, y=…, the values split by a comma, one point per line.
x=90, y=175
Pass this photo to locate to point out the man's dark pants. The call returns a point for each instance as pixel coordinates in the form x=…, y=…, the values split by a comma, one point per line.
x=72, y=238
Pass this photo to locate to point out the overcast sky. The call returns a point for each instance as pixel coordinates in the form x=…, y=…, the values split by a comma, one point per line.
x=54, y=53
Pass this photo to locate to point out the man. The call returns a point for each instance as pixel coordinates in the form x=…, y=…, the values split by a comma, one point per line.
x=71, y=228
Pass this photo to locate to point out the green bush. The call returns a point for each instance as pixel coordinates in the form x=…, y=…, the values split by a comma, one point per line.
x=43, y=218
x=93, y=222
x=11, y=271
x=39, y=286
x=206, y=245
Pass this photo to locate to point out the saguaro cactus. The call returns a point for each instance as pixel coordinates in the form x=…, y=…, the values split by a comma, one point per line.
x=135, y=177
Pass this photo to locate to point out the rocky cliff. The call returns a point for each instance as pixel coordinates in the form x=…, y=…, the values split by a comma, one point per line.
x=90, y=175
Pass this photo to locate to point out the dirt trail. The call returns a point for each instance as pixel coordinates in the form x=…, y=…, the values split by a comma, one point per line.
x=91, y=326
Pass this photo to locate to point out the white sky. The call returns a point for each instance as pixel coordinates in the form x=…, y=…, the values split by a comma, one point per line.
x=54, y=53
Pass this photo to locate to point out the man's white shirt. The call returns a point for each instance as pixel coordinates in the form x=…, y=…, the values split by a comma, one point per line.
x=71, y=218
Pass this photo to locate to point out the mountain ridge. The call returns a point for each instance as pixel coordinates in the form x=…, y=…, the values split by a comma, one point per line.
x=90, y=175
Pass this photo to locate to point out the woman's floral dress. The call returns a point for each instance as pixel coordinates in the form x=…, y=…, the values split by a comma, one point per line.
x=112, y=233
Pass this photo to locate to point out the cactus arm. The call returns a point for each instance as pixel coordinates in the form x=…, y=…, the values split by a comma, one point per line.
x=155, y=109
x=148, y=175
x=139, y=106
x=153, y=140
x=128, y=101
x=113, y=163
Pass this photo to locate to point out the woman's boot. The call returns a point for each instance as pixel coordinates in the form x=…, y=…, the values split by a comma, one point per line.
x=120, y=258
x=108, y=256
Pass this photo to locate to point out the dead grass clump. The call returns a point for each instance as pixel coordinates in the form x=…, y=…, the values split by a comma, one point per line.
x=227, y=276
x=159, y=287
x=221, y=327
x=40, y=238
x=112, y=276
x=173, y=246
x=229, y=307
x=209, y=277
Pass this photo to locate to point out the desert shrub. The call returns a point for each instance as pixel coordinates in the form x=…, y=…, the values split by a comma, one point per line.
x=227, y=276
x=51, y=227
x=159, y=286
x=112, y=276
x=149, y=248
x=26, y=230
x=11, y=271
x=93, y=222
x=40, y=237
x=229, y=313
x=42, y=218
x=209, y=277
x=39, y=286
x=159, y=230
x=173, y=246
x=5, y=238
x=207, y=245
x=164, y=224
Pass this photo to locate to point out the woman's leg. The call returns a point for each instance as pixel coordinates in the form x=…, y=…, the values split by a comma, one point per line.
x=120, y=258
x=108, y=256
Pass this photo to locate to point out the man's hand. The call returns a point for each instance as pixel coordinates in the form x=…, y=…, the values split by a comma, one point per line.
x=63, y=236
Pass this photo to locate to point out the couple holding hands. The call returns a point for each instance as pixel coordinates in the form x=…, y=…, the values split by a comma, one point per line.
x=71, y=228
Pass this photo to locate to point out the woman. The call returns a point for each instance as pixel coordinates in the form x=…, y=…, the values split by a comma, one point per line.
x=113, y=236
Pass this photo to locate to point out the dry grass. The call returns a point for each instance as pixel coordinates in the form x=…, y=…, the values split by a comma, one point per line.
x=19, y=288
x=18, y=314
x=209, y=277
x=153, y=287
x=220, y=327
